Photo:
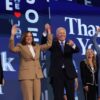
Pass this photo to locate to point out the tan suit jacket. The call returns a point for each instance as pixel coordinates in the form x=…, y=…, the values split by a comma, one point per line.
x=29, y=66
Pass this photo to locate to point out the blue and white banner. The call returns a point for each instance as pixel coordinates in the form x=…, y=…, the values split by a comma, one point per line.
x=80, y=22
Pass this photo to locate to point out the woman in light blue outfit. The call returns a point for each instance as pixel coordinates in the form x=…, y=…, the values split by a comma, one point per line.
x=98, y=55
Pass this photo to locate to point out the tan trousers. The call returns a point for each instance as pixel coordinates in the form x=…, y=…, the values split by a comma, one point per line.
x=31, y=89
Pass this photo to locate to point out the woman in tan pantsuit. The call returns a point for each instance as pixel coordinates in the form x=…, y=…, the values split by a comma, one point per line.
x=30, y=72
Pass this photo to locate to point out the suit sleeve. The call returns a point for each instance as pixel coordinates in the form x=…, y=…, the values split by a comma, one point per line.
x=46, y=44
x=12, y=46
x=1, y=73
x=75, y=50
x=43, y=39
x=83, y=72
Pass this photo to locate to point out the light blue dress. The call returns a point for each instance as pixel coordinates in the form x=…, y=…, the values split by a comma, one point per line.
x=97, y=48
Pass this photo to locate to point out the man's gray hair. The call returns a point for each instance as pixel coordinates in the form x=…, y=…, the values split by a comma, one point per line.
x=60, y=28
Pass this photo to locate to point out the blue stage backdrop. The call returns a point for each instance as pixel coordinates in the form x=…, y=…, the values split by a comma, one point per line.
x=80, y=22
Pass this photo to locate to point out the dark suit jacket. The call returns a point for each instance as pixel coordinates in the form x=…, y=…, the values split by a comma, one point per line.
x=1, y=72
x=58, y=59
x=87, y=76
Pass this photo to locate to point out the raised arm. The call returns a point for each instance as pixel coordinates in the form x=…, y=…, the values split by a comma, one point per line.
x=47, y=38
x=95, y=42
x=12, y=46
x=75, y=48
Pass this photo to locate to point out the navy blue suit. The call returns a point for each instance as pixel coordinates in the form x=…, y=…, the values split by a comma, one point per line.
x=62, y=71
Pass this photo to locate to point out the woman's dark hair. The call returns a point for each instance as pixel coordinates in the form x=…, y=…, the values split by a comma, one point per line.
x=23, y=39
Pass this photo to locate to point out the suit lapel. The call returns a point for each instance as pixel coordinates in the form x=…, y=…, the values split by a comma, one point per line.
x=28, y=51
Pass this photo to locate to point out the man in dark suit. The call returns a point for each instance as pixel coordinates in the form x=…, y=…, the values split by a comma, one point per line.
x=1, y=73
x=62, y=71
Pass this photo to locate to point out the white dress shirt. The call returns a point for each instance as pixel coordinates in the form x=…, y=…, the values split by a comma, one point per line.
x=31, y=50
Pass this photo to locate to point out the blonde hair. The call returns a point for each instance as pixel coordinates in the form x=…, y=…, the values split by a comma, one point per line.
x=93, y=59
